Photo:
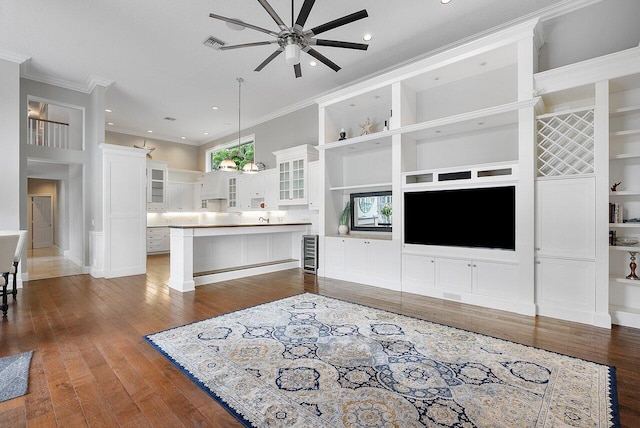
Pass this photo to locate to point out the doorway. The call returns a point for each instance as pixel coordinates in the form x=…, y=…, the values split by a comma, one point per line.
x=41, y=223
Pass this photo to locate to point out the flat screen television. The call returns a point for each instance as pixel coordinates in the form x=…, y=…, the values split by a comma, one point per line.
x=478, y=217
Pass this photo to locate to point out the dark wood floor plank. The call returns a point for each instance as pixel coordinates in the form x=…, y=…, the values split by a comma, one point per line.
x=92, y=367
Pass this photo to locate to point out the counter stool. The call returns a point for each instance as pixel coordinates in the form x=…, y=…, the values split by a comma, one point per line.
x=8, y=245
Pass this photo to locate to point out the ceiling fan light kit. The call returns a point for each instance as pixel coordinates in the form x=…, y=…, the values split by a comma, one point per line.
x=294, y=39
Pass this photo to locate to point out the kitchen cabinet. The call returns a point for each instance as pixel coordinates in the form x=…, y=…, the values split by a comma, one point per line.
x=157, y=186
x=180, y=197
x=292, y=167
x=157, y=240
x=315, y=195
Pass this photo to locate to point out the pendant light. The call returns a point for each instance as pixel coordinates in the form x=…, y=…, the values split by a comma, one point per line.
x=228, y=164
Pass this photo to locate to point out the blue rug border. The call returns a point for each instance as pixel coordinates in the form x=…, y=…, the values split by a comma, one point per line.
x=202, y=386
x=613, y=386
x=30, y=358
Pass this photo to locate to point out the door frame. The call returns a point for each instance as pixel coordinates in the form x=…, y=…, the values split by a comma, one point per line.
x=30, y=218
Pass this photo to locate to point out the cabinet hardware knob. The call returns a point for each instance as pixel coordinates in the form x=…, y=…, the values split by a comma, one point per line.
x=469, y=264
x=537, y=263
x=537, y=249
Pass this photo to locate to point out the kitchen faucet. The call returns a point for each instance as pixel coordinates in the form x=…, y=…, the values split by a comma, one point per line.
x=263, y=219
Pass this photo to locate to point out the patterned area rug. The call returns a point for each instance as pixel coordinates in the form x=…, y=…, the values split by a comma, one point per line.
x=14, y=375
x=314, y=361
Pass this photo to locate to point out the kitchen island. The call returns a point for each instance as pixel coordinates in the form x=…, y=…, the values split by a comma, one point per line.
x=204, y=254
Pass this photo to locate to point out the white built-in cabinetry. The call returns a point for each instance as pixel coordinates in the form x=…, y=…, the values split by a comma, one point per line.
x=157, y=240
x=367, y=261
x=213, y=185
x=469, y=108
x=624, y=168
x=183, y=190
x=293, y=170
x=156, y=186
x=251, y=192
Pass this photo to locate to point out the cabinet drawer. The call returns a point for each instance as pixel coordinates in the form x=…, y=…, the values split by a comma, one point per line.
x=161, y=232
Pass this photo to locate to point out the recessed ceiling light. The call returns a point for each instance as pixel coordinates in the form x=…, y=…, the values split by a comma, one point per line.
x=445, y=1
x=206, y=133
x=149, y=131
x=183, y=138
x=110, y=123
x=215, y=108
x=313, y=63
x=108, y=110
x=368, y=36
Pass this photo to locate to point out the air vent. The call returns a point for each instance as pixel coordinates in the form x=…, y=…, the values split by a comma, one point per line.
x=214, y=43
x=170, y=119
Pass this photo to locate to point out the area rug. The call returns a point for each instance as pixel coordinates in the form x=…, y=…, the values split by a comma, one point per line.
x=14, y=375
x=314, y=361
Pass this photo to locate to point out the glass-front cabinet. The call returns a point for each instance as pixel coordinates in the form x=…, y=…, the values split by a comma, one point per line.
x=156, y=186
x=293, y=172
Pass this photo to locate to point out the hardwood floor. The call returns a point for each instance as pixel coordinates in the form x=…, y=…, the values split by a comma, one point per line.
x=91, y=366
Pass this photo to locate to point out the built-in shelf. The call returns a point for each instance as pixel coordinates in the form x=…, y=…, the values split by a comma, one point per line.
x=624, y=193
x=629, y=225
x=622, y=248
x=625, y=133
x=616, y=279
x=360, y=186
x=625, y=156
x=466, y=122
x=624, y=110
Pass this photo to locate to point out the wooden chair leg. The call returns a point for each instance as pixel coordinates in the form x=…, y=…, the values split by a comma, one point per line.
x=15, y=280
x=5, y=305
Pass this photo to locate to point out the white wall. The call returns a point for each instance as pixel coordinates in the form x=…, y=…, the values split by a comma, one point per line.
x=293, y=129
x=9, y=146
x=179, y=156
x=605, y=27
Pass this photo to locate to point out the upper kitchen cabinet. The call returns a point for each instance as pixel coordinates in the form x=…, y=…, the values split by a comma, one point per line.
x=293, y=173
x=157, y=186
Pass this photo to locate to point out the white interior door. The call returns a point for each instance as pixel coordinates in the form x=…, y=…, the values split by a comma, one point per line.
x=42, y=224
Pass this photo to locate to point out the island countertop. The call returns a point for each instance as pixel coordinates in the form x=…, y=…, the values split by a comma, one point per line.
x=210, y=226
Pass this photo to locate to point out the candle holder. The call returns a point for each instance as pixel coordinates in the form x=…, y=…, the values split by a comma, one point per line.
x=632, y=265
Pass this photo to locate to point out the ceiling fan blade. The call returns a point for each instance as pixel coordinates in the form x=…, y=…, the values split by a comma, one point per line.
x=247, y=45
x=268, y=60
x=323, y=59
x=243, y=24
x=273, y=14
x=297, y=70
x=304, y=13
x=338, y=44
x=337, y=23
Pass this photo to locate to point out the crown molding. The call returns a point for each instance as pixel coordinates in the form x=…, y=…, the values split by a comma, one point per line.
x=13, y=57
x=94, y=81
x=27, y=73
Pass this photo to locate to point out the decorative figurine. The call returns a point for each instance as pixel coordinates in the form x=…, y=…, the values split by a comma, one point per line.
x=343, y=134
x=366, y=127
x=615, y=186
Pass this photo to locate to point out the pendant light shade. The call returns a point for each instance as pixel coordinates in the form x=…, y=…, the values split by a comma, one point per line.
x=227, y=165
x=250, y=168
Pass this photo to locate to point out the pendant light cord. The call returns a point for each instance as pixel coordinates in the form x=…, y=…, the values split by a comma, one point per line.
x=240, y=80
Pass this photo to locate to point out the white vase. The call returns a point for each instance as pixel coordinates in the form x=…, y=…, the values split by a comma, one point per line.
x=343, y=229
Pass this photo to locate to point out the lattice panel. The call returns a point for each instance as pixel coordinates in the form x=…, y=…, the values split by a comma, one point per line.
x=565, y=144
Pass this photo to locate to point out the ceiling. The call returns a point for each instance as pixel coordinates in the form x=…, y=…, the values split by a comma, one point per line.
x=153, y=52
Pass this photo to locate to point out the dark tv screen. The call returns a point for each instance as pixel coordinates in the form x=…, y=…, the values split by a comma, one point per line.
x=480, y=217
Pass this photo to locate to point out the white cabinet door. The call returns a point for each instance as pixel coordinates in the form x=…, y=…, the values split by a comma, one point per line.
x=243, y=192
x=292, y=165
x=180, y=197
x=565, y=218
x=315, y=197
x=232, y=194
x=334, y=255
x=565, y=288
x=418, y=273
x=383, y=263
x=270, y=179
x=357, y=256
x=453, y=274
x=495, y=279
x=156, y=187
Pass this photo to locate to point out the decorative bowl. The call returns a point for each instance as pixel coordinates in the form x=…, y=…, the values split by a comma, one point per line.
x=627, y=241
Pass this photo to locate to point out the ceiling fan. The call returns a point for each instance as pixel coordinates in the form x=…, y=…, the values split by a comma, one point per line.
x=291, y=40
